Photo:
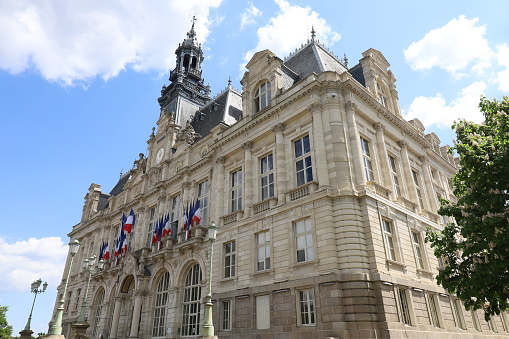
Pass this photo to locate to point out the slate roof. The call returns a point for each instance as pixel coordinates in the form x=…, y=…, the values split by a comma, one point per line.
x=119, y=187
x=103, y=202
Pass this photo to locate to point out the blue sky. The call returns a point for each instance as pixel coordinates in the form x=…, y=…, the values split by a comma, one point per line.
x=79, y=83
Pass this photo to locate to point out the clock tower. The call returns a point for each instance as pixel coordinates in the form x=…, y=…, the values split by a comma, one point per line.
x=186, y=92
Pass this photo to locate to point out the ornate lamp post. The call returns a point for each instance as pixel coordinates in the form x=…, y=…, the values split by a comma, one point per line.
x=207, y=329
x=35, y=290
x=56, y=327
x=90, y=268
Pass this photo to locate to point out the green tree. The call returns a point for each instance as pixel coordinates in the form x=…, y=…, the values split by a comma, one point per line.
x=476, y=247
x=5, y=328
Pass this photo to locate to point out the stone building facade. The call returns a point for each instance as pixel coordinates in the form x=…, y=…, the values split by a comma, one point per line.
x=321, y=192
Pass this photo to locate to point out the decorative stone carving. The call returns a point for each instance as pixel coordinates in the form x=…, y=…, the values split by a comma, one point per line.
x=403, y=143
x=379, y=126
x=350, y=107
x=154, y=175
x=141, y=163
x=247, y=145
x=188, y=134
x=221, y=159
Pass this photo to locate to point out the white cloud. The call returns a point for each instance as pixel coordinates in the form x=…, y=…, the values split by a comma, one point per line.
x=453, y=47
x=434, y=111
x=248, y=16
x=71, y=41
x=289, y=29
x=502, y=78
x=25, y=261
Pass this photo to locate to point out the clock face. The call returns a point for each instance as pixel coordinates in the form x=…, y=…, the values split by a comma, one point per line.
x=160, y=155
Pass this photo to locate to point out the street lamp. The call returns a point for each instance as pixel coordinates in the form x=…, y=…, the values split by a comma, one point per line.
x=207, y=329
x=56, y=327
x=88, y=266
x=34, y=288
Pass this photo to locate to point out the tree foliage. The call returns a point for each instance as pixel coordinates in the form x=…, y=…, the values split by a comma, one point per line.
x=476, y=247
x=5, y=328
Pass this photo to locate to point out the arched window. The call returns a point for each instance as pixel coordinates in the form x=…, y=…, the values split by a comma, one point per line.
x=99, y=303
x=262, y=96
x=158, y=330
x=191, y=303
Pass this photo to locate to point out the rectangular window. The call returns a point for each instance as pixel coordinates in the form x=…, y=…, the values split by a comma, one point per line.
x=306, y=306
x=304, y=240
x=404, y=306
x=475, y=320
x=226, y=311
x=416, y=240
x=229, y=259
x=78, y=293
x=417, y=187
x=151, y=223
x=368, y=168
x=267, y=176
x=434, y=310
x=262, y=312
x=394, y=173
x=389, y=240
x=458, y=312
x=236, y=190
x=303, y=165
x=203, y=198
x=263, y=251
x=175, y=215
x=69, y=294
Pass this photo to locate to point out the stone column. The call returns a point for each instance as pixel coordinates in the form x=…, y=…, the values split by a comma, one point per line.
x=430, y=192
x=136, y=316
x=220, y=193
x=409, y=178
x=355, y=142
x=319, y=146
x=248, y=177
x=387, y=179
x=185, y=197
x=116, y=318
x=141, y=230
x=280, y=164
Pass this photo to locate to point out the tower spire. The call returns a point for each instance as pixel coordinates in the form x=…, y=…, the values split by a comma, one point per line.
x=312, y=34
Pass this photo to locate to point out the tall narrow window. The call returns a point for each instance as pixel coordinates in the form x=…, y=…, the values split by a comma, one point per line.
x=262, y=312
x=236, y=190
x=389, y=240
x=458, y=312
x=161, y=304
x=382, y=98
x=229, y=259
x=175, y=215
x=416, y=240
x=151, y=224
x=226, y=312
x=418, y=188
x=434, y=310
x=192, y=302
x=404, y=306
x=267, y=176
x=69, y=294
x=303, y=165
x=78, y=293
x=475, y=320
x=307, y=307
x=99, y=304
x=367, y=160
x=263, y=251
x=304, y=240
x=262, y=96
x=394, y=173
x=203, y=198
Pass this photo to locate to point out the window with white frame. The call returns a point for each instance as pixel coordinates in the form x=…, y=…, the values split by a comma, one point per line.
x=236, y=190
x=389, y=239
x=263, y=251
x=175, y=215
x=475, y=320
x=262, y=312
x=304, y=240
x=267, y=176
x=262, y=96
x=229, y=259
x=394, y=174
x=418, y=188
x=151, y=224
x=434, y=310
x=366, y=155
x=226, y=313
x=306, y=308
x=303, y=163
x=203, y=198
x=192, y=302
x=404, y=306
x=161, y=305
x=99, y=305
x=418, y=251
x=458, y=313
x=382, y=97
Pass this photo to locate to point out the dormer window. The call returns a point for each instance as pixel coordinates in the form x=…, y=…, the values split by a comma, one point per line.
x=382, y=98
x=262, y=96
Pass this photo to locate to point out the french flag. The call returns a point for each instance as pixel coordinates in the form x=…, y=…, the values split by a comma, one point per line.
x=155, y=235
x=106, y=251
x=129, y=222
x=196, y=216
x=167, y=226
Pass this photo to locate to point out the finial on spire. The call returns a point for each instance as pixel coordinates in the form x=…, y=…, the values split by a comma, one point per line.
x=345, y=60
x=229, y=82
x=312, y=34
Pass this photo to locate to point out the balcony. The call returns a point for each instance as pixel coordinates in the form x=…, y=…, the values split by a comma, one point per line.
x=232, y=217
x=302, y=190
x=379, y=189
x=264, y=205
